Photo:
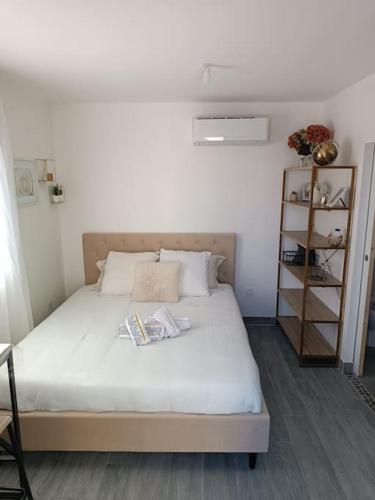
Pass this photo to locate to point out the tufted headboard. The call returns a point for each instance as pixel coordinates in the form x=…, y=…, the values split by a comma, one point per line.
x=97, y=245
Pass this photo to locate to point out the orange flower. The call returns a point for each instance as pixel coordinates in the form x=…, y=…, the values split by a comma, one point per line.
x=315, y=134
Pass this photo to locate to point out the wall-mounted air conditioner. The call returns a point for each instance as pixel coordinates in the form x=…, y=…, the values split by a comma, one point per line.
x=230, y=130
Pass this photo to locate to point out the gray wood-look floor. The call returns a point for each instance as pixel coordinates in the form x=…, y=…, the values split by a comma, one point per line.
x=322, y=447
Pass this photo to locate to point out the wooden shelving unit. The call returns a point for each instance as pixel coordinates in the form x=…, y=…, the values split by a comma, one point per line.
x=310, y=345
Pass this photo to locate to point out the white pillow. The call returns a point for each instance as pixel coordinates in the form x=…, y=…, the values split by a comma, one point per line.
x=194, y=270
x=119, y=271
x=213, y=266
x=100, y=264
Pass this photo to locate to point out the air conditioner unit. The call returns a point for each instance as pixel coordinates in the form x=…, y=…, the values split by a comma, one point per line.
x=230, y=130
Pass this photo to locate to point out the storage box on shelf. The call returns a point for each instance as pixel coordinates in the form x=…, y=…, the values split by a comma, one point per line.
x=311, y=346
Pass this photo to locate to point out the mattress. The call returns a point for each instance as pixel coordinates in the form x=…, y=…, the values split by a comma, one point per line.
x=74, y=360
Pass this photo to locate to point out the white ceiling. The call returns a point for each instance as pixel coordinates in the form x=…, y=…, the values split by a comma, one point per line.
x=153, y=50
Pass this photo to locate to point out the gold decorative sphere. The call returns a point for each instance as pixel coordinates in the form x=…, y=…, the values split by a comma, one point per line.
x=325, y=153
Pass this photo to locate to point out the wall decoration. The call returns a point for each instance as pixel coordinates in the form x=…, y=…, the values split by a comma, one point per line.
x=25, y=182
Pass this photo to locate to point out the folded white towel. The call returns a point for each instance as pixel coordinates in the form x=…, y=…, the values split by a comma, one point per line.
x=182, y=323
x=137, y=330
x=164, y=316
x=155, y=328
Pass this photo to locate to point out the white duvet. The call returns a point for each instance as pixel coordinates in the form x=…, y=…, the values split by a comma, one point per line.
x=74, y=360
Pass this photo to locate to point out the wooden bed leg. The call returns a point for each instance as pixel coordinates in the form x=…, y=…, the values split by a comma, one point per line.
x=252, y=460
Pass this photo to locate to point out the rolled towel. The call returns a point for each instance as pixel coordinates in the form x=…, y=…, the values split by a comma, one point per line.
x=123, y=331
x=164, y=317
x=182, y=323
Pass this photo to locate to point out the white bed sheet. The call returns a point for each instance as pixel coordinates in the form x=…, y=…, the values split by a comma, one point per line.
x=75, y=361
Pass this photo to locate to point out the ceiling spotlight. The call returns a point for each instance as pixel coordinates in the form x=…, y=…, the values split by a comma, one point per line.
x=206, y=74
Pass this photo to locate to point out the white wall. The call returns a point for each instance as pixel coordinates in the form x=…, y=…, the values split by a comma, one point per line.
x=30, y=132
x=351, y=114
x=133, y=167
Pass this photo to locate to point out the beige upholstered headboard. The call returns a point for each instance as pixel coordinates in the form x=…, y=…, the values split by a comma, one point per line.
x=97, y=245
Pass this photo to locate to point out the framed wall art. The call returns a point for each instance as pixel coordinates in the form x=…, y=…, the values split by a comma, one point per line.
x=25, y=182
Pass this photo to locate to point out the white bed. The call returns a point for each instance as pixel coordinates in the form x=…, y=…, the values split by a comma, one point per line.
x=80, y=388
x=75, y=361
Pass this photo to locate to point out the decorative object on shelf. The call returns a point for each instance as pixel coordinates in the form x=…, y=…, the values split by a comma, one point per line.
x=306, y=192
x=318, y=272
x=324, y=192
x=26, y=182
x=316, y=194
x=325, y=153
x=320, y=193
x=56, y=194
x=340, y=198
x=316, y=134
x=46, y=170
x=304, y=141
x=293, y=196
x=335, y=237
x=305, y=161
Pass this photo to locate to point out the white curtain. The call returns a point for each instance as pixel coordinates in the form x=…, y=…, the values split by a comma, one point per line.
x=15, y=309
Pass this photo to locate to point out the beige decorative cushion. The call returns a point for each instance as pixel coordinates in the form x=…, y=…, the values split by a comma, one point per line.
x=156, y=282
x=214, y=263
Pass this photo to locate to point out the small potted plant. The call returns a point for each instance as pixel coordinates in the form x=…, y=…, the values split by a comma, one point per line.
x=56, y=193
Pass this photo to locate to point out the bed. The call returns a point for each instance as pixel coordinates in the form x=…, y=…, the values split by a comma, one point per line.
x=81, y=387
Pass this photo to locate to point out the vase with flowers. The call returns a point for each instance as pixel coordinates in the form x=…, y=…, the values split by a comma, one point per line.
x=304, y=141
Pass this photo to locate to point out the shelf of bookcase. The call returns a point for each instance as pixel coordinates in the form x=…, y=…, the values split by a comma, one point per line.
x=316, y=311
x=315, y=206
x=299, y=273
x=317, y=240
x=314, y=344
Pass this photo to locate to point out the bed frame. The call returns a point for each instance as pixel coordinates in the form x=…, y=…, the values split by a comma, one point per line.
x=153, y=432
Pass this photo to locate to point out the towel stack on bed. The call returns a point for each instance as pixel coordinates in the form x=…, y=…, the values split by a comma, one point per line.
x=160, y=325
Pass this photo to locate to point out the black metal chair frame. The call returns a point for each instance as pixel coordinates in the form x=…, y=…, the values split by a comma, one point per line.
x=14, y=448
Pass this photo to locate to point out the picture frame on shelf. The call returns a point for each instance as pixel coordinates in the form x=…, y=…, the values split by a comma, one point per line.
x=340, y=198
x=306, y=188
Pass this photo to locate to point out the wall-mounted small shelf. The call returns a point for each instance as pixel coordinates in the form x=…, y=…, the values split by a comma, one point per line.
x=45, y=169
